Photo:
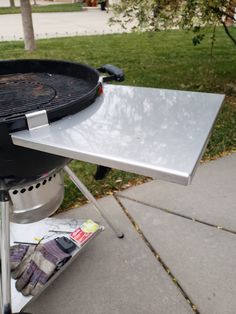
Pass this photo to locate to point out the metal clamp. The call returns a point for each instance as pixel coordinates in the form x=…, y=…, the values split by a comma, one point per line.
x=37, y=119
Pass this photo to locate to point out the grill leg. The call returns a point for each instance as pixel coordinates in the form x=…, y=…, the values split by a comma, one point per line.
x=5, y=252
x=91, y=198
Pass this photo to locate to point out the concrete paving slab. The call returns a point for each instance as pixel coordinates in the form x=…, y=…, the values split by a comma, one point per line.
x=202, y=258
x=112, y=276
x=210, y=198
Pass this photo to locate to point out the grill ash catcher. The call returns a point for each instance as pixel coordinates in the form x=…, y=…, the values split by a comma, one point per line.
x=54, y=111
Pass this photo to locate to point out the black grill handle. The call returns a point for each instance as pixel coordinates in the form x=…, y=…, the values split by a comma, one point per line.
x=115, y=74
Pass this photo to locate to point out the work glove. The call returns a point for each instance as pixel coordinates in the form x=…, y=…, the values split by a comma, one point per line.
x=18, y=253
x=34, y=270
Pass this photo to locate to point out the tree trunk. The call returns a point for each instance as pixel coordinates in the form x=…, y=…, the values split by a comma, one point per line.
x=27, y=25
x=12, y=3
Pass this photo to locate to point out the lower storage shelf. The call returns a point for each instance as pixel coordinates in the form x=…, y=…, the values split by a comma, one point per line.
x=43, y=231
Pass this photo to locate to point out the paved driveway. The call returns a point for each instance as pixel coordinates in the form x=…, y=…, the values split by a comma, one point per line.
x=47, y=25
x=6, y=3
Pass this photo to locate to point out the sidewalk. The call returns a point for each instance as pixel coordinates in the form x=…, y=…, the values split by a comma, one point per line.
x=6, y=3
x=178, y=224
x=91, y=21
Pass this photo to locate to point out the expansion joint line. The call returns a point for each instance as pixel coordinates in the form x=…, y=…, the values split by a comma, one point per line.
x=156, y=254
x=179, y=215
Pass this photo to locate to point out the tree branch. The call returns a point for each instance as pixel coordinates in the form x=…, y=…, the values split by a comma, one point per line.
x=228, y=33
x=222, y=13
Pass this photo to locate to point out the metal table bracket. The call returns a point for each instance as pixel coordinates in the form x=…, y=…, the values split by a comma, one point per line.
x=37, y=119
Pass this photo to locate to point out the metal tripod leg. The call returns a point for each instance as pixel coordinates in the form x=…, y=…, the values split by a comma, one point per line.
x=5, y=251
x=90, y=197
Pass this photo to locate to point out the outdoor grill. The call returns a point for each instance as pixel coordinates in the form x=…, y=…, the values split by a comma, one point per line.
x=54, y=111
x=27, y=86
x=56, y=89
x=34, y=93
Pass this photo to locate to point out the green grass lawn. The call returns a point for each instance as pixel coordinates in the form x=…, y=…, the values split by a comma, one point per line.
x=166, y=59
x=70, y=7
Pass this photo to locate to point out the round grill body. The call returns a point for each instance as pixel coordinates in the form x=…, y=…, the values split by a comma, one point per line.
x=61, y=88
x=36, y=200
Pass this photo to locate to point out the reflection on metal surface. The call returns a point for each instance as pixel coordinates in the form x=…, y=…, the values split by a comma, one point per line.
x=155, y=132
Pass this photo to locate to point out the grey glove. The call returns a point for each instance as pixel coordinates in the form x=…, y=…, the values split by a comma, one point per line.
x=18, y=253
x=35, y=270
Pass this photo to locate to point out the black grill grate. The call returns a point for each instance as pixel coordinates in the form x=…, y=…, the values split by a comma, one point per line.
x=20, y=93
